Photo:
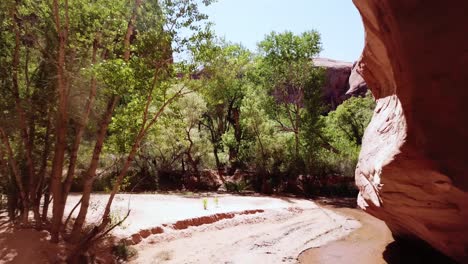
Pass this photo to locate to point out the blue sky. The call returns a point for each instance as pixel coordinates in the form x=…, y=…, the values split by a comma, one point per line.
x=248, y=21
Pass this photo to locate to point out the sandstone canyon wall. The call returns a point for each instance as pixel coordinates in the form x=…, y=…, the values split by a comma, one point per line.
x=341, y=82
x=413, y=167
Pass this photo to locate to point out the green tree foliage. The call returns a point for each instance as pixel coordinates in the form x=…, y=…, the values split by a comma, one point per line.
x=287, y=71
x=264, y=144
x=223, y=70
x=92, y=90
x=344, y=129
x=186, y=148
x=243, y=112
x=69, y=68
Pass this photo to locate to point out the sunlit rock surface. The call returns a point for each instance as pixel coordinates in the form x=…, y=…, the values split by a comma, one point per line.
x=413, y=167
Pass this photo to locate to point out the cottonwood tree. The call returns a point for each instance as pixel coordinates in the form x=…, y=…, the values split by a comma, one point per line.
x=287, y=71
x=191, y=109
x=223, y=67
x=263, y=143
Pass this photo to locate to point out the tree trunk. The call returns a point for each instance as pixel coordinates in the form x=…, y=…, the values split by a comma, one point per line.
x=297, y=128
x=12, y=199
x=136, y=145
x=190, y=159
x=80, y=131
x=296, y=144
x=218, y=163
x=43, y=171
x=17, y=174
x=91, y=172
x=115, y=189
x=22, y=115
x=61, y=128
x=214, y=141
x=264, y=187
x=234, y=151
x=130, y=29
x=45, y=206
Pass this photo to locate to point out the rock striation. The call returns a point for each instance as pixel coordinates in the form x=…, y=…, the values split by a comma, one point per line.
x=413, y=167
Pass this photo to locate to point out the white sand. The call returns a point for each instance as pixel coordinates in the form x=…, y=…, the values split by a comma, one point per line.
x=151, y=210
x=278, y=235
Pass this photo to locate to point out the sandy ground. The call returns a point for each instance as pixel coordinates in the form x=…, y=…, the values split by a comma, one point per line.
x=151, y=210
x=364, y=246
x=332, y=233
x=275, y=236
x=285, y=228
x=372, y=243
x=25, y=246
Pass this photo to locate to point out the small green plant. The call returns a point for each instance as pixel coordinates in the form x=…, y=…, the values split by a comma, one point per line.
x=117, y=217
x=123, y=252
x=205, y=203
x=216, y=201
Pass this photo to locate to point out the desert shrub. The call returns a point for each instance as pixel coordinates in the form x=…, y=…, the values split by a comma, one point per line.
x=236, y=186
x=117, y=218
x=123, y=252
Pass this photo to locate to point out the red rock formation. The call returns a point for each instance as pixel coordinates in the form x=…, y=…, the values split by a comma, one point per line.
x=184, y=224
x=341, y=82
x=203, y=220
x=157, y=230
x=357, y=84
x=135, y=239
x=145, y=233
x=413, y=167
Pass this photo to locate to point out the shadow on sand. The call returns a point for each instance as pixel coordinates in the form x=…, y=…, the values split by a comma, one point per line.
x=21, y=245
x=406, y=252
x=369, y=244
x=337, y=202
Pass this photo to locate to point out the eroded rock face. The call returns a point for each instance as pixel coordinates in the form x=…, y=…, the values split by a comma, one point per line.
x=341, y=81
x=413, y=167
x=357, y=85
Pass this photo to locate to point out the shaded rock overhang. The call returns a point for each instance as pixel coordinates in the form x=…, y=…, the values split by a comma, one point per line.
x=413, y=167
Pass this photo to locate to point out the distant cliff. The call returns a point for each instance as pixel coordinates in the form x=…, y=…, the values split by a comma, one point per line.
x=341, y=81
